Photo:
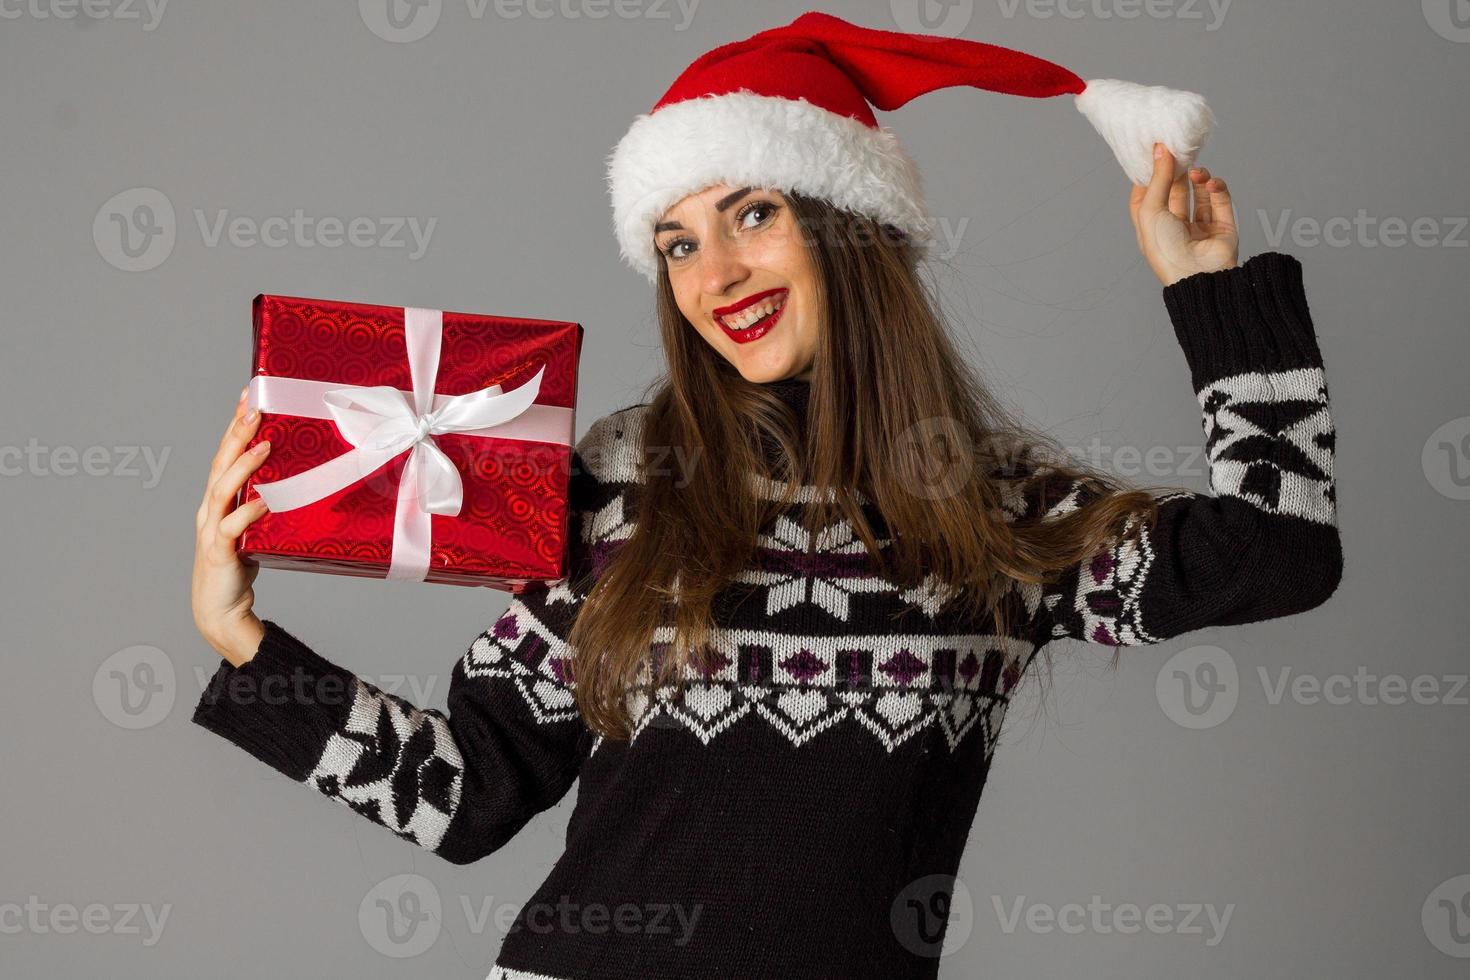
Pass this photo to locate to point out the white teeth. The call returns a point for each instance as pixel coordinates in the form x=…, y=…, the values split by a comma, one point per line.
x=746, y=318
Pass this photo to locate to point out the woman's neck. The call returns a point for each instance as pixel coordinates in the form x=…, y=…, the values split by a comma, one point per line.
x=794, y=391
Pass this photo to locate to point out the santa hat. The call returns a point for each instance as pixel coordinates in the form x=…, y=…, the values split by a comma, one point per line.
x=792, y=108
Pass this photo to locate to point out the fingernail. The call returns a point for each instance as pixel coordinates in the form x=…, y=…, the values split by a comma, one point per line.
x=243, y=392
x=261, y=448
x=251, y=415
x=1158, y=151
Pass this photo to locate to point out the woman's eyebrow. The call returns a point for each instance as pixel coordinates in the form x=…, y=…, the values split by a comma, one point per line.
x=722, y=204
x=730, y=199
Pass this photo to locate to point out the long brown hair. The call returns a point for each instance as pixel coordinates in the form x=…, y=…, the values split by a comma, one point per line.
x=894, y=412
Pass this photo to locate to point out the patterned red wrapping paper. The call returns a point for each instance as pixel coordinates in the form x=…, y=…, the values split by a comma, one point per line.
x=512, y=527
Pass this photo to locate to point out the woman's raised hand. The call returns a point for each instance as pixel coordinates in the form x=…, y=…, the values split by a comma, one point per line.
x=222, y=593
x=1176, y=243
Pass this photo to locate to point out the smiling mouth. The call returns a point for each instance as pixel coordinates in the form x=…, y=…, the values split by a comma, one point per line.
x=754, y=320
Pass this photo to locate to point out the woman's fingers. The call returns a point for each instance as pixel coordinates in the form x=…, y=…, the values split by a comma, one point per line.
x=1221, y=206
x=230, y=451
x=236, y=521
x=1179, y=196
x=1199, y=177
x=229, y=428
x=236, y=435
x=1156, y=196
x=222, y=492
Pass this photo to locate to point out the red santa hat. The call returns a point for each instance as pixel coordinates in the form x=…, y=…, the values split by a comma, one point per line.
x=791, y=108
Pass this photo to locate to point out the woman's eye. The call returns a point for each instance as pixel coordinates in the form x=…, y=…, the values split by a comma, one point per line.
x=671, y=250
x=756, y=207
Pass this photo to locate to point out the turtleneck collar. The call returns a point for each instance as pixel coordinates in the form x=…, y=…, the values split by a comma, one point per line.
x=794, y=392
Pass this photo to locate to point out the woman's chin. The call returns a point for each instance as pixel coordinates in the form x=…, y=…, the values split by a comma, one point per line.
x=766, y=372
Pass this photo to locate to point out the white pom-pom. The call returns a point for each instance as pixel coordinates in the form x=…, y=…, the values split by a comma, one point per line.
x=1133, y=117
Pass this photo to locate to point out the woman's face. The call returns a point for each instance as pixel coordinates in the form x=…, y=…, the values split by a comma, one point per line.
x=727, y=246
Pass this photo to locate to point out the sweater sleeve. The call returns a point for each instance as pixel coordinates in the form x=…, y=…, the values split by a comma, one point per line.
x=1265, y=542
x=459, y=783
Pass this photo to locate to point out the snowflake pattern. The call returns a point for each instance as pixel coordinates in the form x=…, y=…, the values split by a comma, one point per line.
x=1270, y=441
x=395, y=764
x=826, y=569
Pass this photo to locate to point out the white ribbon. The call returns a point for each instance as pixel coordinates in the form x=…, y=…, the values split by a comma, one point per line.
x=382, y=421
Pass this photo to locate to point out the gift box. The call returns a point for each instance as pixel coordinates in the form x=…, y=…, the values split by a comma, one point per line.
x=411, y=443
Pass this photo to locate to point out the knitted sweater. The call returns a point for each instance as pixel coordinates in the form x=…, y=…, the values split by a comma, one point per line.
x=798, y=814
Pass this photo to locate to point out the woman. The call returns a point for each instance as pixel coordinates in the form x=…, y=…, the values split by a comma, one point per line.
x=811, y=569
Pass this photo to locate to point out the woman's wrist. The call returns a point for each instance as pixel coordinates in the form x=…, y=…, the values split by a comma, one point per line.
x=1251, y=318
x=238, y=645
x=1174, y=278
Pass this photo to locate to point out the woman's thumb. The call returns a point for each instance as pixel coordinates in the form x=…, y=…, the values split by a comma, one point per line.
x=1157, y=197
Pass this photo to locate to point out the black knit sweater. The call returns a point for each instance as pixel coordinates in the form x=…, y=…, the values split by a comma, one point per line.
x=798, y=814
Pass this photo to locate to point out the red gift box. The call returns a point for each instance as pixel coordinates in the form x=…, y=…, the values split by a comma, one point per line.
x=336, y=386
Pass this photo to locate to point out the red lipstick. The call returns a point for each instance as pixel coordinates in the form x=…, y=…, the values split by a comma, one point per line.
x=747, y=301
x=756, y=332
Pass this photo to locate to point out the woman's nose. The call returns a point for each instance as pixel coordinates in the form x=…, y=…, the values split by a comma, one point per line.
x=723, y=266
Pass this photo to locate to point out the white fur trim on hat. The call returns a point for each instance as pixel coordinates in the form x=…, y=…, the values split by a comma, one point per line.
x=745, y=139
x=1132, y=117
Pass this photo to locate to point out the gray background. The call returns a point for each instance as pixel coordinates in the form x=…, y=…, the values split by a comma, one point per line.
x=1327, y=828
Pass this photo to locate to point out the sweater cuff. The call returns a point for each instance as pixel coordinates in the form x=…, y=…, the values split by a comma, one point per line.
x=281, y=706
x=1250, y=318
